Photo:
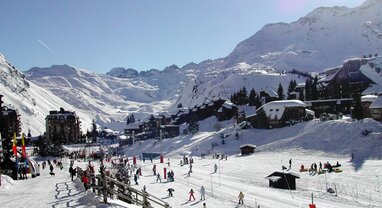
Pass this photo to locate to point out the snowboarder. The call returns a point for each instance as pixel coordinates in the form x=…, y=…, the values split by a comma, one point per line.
x=241, y=197
x=215, y=168
x=159, y=178
x=191, y=195
x=202, y=193
x=170, y=190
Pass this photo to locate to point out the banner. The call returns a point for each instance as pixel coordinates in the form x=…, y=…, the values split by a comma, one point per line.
x=14, y=146
x=23, y=151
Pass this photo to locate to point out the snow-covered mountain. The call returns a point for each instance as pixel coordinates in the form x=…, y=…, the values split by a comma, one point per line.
x=111, y=98
x=323, y=38
x=31, y=101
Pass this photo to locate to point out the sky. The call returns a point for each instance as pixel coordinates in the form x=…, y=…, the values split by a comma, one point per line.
x=98, y=35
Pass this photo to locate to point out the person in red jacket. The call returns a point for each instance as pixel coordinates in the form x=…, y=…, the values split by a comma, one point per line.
x=85, y=180
x=191, y=195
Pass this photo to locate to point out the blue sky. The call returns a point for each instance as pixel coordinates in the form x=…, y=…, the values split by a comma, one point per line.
x=141, y=34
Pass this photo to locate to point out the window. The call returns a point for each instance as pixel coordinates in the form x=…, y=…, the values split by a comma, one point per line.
x=277, y=109
x=270, y=109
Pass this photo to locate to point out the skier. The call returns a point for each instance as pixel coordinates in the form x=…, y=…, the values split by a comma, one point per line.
x=290, y=163
x=136, y=179
x=320, y=167
x=51, y=168
x=85, y=180
x=154, y=169
x=241, y=197
x=215, y=168
x=159, y=178
x=202, y=193
x=71, y=172
x=170, y=190
x=191, y=195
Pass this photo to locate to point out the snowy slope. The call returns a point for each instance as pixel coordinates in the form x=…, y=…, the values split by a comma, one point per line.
x=330, y=34
x=305, y=143
x=32, y=102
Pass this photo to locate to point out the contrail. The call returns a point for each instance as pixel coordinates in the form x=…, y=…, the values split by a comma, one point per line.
x=46, y=46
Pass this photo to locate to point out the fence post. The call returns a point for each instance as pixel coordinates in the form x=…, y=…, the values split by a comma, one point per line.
x=104, y=189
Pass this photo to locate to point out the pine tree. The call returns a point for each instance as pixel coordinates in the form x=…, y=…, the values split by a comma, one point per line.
x=291, y=88
x=308, y=87
x=314, y=92
x=280, y=92
x=253, y=97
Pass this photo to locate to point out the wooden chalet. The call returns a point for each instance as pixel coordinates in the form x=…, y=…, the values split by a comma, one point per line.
x=169, y=131
x=283, y=180
x=344, y=81
x=247, y=149
x=376, y=108
x=280, y=113
x=227, y=111
x=267, y=95
x=366, y=101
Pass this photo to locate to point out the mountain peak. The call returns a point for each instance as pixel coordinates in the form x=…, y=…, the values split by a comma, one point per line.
x=54, y=70
x=327, y=33
x=123, y=72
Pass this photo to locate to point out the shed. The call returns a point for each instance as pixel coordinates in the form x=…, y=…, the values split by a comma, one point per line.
x=283, y=180
x=247, y=149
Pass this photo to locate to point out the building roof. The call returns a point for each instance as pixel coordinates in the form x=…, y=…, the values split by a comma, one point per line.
x=277, y=173
x=248, y=145
x=275, y=109
x=132, y=126
x=377, y=103
x=227, y=104
x=368, y=98
x=270, y=92
x=165, y=114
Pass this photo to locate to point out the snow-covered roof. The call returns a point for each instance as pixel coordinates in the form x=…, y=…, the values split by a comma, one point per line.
x=227, y=104
x=165, y=114
x=270, y=92
x=373, y=89
x=300, y=85
x=274, y=178
x=132, y=126
x=275, y=109
x=310, y=112
x=368, y=98
x=377, y=103
x=122, y=137
x=248, y=145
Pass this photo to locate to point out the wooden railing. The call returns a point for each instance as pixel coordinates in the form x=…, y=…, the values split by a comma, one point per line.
x=108, y=186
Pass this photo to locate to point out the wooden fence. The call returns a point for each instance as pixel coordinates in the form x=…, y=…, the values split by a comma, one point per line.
x=108, y=187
